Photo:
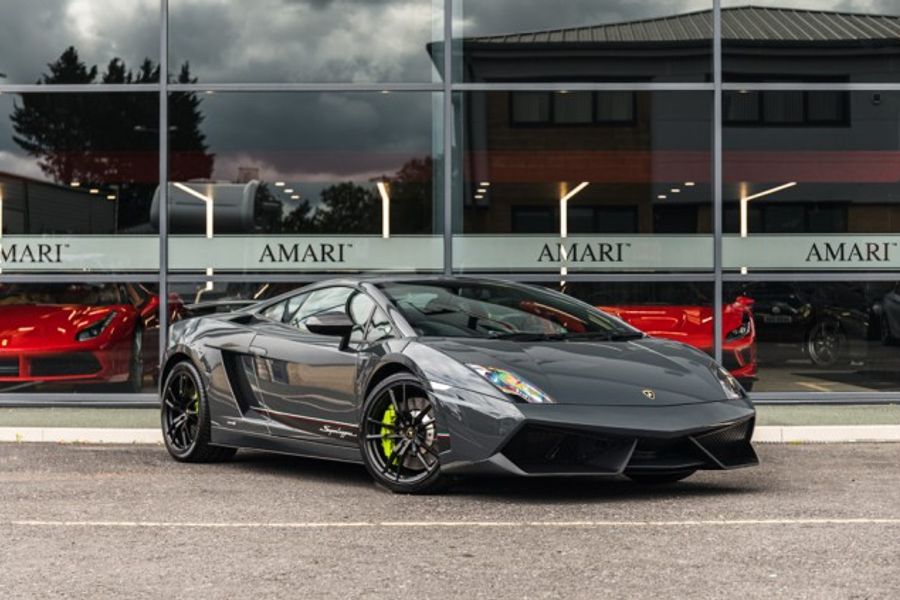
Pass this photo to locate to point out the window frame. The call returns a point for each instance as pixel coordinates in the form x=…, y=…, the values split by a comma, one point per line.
x=551, y=121
x=761, y=122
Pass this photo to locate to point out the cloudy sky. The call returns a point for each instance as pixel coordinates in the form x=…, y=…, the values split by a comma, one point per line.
x=307, y=40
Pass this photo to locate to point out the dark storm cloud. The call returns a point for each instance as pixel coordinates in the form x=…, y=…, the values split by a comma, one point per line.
x=296, y=136
x=36, y=32
x=308, y=40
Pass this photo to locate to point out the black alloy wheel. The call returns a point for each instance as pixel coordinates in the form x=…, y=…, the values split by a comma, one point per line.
x=826, y=344
x=185, y=418
x=399, y=440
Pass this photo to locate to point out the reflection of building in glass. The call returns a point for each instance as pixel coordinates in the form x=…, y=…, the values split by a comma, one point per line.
x=233, y=207
x=646, y=154
x=31, y=206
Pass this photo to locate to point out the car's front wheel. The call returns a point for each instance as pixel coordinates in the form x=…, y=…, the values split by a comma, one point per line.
x=659, y=478
x=186, y=419
x=398, y=436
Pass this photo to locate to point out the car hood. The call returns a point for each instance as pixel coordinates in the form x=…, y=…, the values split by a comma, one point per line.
x=599, y=373
x=689, y=324
x=37, y=326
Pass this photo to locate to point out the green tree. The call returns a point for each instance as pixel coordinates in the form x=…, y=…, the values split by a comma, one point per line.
x=109, y=141
x=348, y=208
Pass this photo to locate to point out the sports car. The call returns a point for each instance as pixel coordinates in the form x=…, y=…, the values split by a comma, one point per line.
x=77, y=333
x=425, y=379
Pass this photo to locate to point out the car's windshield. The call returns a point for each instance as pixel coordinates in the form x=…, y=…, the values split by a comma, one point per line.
x=481, y=309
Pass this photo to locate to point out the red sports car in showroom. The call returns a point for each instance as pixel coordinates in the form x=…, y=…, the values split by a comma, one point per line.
x=693, y=325
x=77, y=333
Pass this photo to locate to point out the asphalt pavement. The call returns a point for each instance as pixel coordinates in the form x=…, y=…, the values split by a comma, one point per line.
x=814, y=521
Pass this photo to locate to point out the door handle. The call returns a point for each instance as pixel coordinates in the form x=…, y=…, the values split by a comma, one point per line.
x=258, y=351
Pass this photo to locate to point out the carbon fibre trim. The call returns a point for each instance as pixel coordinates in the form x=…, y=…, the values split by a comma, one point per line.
x=729, y=446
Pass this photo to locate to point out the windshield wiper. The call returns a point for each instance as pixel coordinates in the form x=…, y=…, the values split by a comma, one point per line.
x=525, y=336
x=608, y=336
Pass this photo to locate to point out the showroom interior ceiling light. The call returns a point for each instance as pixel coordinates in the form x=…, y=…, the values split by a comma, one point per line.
x=209, y=204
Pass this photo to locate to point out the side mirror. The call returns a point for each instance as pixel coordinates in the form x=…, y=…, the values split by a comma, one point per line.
x=336, y=324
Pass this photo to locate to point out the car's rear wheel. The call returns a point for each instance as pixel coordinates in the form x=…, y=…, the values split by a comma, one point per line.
x=659, y=478
x=398, y=436
x=826, y=344
x=186, y=419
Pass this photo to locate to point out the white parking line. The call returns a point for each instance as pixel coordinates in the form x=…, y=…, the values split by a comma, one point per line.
x=457, y=524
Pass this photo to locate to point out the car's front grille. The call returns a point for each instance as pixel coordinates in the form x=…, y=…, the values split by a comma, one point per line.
x=75, y=363
x=9, y=367
x=539, y=449
x=669, y=455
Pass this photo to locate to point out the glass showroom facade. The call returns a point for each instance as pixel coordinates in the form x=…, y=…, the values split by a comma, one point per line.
x=721, y=173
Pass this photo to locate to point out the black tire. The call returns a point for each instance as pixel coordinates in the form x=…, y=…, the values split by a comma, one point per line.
x=659, y=478
x=185, y=418
x=398, y=437
x=826, y=344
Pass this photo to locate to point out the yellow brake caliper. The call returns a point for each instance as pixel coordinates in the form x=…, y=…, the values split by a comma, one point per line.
x=388, y=418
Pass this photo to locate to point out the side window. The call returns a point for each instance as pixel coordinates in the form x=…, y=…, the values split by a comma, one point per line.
x=380, y=327
x=360, y=309
x=318, y=302
x=275, y=312
x=293, y=305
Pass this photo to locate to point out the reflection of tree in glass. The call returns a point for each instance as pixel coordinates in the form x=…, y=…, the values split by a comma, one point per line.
x=350, y=208
x=108, y=141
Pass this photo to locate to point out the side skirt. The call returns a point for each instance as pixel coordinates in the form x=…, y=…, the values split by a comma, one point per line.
x=294, y=447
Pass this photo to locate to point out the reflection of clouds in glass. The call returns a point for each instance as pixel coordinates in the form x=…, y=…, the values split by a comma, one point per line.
x=22, y=166
x=37, y=32
x=317, y=136
x=305, y=40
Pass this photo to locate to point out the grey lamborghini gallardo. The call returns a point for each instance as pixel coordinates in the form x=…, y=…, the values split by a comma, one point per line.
x=423, y=379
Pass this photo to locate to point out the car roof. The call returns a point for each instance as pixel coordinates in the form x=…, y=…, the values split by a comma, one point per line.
x=357, y=280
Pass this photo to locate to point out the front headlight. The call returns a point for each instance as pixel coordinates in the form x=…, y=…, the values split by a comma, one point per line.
x=512, y=385
x=89, y=333
x=731, y=386
x=741, y=331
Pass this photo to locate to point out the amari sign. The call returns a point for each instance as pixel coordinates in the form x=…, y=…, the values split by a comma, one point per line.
x=306, y=254
x=485, y=253
x=805, y=252
x=222, y=253
x=79, y=253
x=582, y=253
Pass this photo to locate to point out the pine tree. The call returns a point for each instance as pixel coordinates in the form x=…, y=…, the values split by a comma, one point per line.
x=110, y=141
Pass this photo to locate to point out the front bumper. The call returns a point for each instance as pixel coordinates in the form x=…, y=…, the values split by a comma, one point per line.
x=105, y=364
x=564, y=440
